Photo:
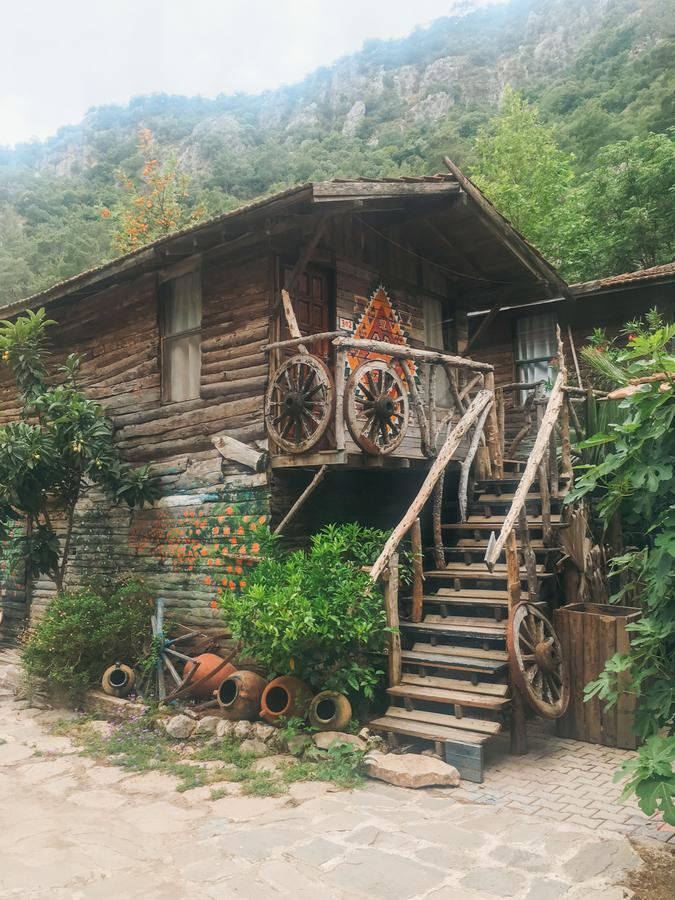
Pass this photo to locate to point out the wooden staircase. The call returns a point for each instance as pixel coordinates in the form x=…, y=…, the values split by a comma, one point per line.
x=453, y=689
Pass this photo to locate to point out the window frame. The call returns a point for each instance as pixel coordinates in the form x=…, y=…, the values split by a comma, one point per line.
x=166, y=341
x=519, y=362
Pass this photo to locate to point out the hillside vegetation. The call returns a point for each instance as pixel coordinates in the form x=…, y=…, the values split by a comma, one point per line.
x=599, y=71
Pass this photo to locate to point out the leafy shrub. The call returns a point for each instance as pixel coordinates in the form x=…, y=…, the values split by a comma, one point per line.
x=83, y=632
x=316, y=613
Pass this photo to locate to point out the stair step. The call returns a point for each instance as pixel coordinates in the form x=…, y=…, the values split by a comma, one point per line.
x=448, y=695
x=512, y=483
x=473, y=568
x=459, y=597
x=453, y=663
x=463, y=652
x=415, y=728
x=441, y=627
x=446, y=720
x=474, y=573
x=509, y=498
x=483, y=688
x=473, y=621
x=471, y=544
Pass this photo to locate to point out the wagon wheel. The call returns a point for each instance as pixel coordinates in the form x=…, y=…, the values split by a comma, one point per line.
x=376, y=407
x=536, y=664
x=299, y=403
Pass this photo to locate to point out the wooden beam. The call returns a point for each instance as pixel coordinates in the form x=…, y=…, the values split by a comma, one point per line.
x=418, y=576
x=526, y=254
x=398, y=351
x=231, y=448
x=306, y=253
x=394, y=662
x=302, y=499
x=362, y=190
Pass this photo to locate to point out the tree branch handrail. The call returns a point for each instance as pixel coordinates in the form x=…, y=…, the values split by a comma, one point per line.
x=534, y=461
x=452, y=442
x=401, y=351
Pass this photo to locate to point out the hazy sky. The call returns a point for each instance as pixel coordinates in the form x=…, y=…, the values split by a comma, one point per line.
x=60, y=57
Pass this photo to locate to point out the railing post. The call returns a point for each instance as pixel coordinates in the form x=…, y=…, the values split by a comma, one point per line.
x=492, y=430
x=545, y=503
x=565, y=437
x=394, y=662
x=340, y=358
x=418, y=575
x=529, y=558
x=518, y=731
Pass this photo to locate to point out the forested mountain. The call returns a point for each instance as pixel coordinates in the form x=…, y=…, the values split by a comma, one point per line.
x=600, y=72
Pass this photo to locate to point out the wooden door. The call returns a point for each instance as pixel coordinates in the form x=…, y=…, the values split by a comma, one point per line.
x=313, y=307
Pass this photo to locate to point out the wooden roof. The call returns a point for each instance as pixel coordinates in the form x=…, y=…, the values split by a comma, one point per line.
x=653, y=275
x=443, y=219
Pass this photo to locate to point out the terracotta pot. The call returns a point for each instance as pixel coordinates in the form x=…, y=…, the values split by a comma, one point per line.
x=330, y=711
x=284, y=697
x=118, y=680
x=239, y=695
x=206, y=679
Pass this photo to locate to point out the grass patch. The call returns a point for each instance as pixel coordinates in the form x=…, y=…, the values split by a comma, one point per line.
x=142, y=745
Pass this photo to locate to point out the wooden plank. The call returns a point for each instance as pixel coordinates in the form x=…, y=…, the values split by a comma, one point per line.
x=457, y=663
x=591, y=651
x=438, y=629
x=468, y=621
x=468, y=760
x=576, y=637
x=483, y=687
x=464, y=652
x=627, y=702
x=238, y=451
x=465, y=723
x=607, y=641
x=448, y=695
x=426, y=731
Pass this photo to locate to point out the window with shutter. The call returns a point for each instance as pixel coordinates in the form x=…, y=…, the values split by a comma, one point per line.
x=181, y=323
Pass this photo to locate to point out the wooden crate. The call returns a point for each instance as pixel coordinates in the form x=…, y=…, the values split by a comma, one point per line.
x=591, y=633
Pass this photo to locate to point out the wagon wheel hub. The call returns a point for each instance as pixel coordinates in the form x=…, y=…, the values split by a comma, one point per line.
x=545, y=655
x=294, y=403
x=536, y=665
x=376, y=407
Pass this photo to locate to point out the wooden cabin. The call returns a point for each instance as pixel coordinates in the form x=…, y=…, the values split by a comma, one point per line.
x=175, y=342
x=341, y=351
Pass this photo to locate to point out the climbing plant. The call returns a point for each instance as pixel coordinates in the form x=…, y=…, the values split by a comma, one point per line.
x=636, y=482
x=60, y=446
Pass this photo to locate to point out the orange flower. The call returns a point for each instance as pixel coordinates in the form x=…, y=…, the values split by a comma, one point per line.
x=226, y=529
x=214, y=604
x=262, y=520
x=229, y=510
x=254, y=527
x=208, y=579
x=242, y=583
x=255, y=548
x=246, y=518
x=242, y=550
x=105, y=212
x=204, y=551
x=239, y=570
x=233, y=540
x=232, y=585
x=224, y=582
x=214, y=530
x=230, y=568
x=221, y=519
x=240, y=530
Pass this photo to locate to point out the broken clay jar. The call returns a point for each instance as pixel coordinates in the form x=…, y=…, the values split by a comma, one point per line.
x=239, y=695
x=330, y=711
x=210, y=673
x=118, y=680
x=284, y=697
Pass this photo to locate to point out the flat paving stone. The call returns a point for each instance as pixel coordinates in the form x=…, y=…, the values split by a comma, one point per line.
x=372, y=873
x=494, y=882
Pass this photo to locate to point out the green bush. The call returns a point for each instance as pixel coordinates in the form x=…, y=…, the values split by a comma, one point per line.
x=316, y=613
x=83, y=632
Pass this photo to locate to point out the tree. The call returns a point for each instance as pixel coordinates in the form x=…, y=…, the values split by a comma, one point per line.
x=521, y=169
x=55, y=453
x=158, y=205
x=625, y=218
x=635, y=480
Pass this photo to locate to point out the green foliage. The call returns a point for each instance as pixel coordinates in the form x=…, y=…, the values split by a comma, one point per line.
x=521, y=169
x=60, y=447
x=83, y=632
x=315, y=613
x=635, y=480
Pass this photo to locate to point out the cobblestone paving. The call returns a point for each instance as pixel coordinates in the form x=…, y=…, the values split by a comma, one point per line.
x=71, y=829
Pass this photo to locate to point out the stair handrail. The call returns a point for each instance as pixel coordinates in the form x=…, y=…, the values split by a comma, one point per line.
x=452, y=442
x=535, y=461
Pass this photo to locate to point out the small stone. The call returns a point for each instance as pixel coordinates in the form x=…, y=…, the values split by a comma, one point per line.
x=326, y=739
x=101, y=728
x=225, y=728
x=253, y=745
x=272, y=764
x=207, y=725
x=180, y=726
x=365, y=734
x=410, y=770
x=241, y=730
x=263, y=732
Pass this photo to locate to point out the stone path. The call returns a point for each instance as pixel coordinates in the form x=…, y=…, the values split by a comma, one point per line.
x=71, y=829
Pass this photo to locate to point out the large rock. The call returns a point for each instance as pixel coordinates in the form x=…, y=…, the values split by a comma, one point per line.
x=326, y=739
x=410, y=770
x=263, y=732
x=225, y=728
x=253, y=745
x=241, y=730
x=180, y=726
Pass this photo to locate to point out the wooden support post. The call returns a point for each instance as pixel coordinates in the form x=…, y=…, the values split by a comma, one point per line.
x=394, y=662
x=433, y=417
x=528, y=557
x=437, y=467
x=512, y=570
x=306, y=253
x=308, y=491
x=466, y=464
x=340, y=362
x=418, y=576
x=291, y=321
x=418, y=406
x=545, y=504
x=566, y=457
x=501, y=420
x=437, y=523
x=492, y=431
x=554, y=479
